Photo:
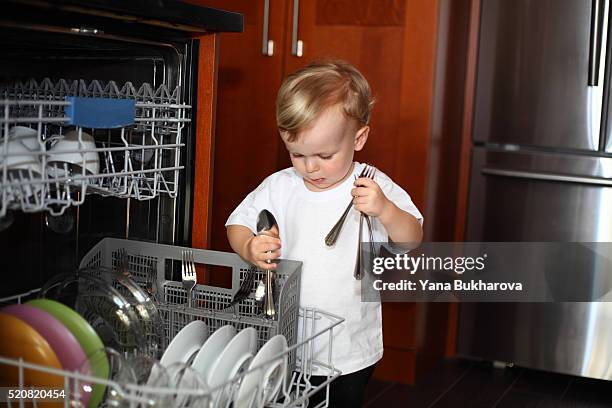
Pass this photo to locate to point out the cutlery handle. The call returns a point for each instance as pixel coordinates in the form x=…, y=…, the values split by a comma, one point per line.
x=372, y=248
x=269, y=310
x=357, y=273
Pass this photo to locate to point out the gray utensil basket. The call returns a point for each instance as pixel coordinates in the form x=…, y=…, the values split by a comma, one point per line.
x=148, y=263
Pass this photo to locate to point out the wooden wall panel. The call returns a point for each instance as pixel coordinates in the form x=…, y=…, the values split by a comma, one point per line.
x=465, y=159
x=468, y=110
x=361, y=12
x=448, y=166
x=399, y=321
x=396, y=364
x=204, y=132
x=448, y=121
x=416, y=98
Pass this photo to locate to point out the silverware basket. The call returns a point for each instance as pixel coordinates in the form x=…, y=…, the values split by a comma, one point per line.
x=149, y=262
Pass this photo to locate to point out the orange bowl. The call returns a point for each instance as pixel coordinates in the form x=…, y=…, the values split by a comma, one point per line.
x=20, y=340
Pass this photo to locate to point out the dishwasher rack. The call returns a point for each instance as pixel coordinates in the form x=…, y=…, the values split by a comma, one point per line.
x=295, y=391
x=305, y=329
x=126, y=142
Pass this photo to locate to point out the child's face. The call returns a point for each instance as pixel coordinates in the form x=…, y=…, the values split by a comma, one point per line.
x=323, y=153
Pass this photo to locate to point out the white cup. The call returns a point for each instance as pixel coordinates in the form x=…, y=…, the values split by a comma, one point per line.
x=21, y=156
x=26, y=135
x=22, y=150
x=78, y=154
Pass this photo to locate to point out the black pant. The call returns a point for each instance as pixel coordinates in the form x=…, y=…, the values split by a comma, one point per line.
x=345, y=391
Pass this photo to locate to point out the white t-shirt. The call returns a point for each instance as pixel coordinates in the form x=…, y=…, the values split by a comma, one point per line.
x=304, y=218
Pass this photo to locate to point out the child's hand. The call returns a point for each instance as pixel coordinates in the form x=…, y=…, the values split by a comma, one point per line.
x=368, y=197
x=264, y=247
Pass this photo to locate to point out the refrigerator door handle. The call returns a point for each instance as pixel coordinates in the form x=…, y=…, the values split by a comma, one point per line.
x=596, y=34
x=536, y=175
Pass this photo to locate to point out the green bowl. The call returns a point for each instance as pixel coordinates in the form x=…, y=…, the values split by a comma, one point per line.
x=85, y=335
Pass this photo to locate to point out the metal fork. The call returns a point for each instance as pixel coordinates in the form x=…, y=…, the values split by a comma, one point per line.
x=123, y=263
x=358, y=264
x=245, y=288
x=372, y=248
x=188, y=274
x=331, y=238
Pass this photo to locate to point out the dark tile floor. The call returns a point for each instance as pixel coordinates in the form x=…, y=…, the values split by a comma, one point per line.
x=462, y=383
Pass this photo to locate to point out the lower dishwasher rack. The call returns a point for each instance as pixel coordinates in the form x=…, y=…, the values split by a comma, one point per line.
x=147, y=264
x=295, y=391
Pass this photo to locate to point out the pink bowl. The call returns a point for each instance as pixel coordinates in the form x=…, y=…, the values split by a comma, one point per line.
x=62, y=341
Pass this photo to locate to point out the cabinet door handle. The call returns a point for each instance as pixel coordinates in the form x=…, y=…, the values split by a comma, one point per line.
x=297, y=46
x=267, y=45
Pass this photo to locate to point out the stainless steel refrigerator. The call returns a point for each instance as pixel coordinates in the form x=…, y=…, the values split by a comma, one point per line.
x=542, y=171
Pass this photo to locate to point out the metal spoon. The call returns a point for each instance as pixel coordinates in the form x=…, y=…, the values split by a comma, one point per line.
x=264, y=294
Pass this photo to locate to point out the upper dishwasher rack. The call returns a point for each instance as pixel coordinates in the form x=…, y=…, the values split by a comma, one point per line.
x=65, y=139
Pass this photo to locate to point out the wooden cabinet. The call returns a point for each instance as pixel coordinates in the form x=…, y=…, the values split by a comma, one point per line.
x=393, y=43
x=247, y=142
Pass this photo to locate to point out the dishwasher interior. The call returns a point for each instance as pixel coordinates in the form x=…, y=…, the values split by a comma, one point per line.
x=133, y=183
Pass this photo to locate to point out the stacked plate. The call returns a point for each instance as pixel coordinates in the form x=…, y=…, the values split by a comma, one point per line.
x=226, y=357
x=264, y=377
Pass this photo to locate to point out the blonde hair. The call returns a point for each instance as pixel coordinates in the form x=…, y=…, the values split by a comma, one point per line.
x=312, y=89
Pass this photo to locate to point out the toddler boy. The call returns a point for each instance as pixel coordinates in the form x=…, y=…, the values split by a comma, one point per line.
x=322, y=112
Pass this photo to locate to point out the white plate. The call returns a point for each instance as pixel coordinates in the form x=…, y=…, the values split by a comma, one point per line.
x=185, y=344
x=211, y=350
x=263, y=385
x=184, y=377
x=234, y=354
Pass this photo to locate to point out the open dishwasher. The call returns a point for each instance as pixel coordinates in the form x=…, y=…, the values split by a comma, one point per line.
x=98, y=120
